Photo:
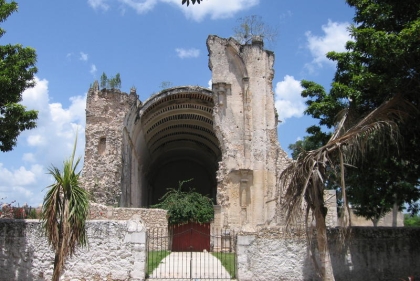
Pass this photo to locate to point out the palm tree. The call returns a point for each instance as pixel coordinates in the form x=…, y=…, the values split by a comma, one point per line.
x=306, y=177
x=64, y=212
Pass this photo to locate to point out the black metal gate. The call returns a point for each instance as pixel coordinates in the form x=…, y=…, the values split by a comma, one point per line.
x=219, y=262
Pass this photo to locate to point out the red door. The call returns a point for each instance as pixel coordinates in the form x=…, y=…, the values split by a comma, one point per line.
x=190, y=237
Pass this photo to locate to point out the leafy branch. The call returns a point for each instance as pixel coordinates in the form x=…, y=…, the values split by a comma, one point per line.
x=186, y=206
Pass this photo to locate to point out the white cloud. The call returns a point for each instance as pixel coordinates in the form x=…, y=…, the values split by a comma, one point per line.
x=93, y=69
x=215, y=9
x=99, y=4
x=140, y=6
x=187, y=53
x=288, y=101
x=83, y=56
x=36, y=140
x=36, y=97
x=28, y=157
x=210, y=83
x=18, y=184
x=335, y=38
x=50, y=143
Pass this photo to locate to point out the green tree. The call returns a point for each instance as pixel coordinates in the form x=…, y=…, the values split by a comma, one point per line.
x=381, y=62
x=411, y=220
x=373, y=106
x=64, y=212
x=104, y=80
x=186, y=206
x=314, y=141
x=118, y=81
x=305, y=179
x=17, y=70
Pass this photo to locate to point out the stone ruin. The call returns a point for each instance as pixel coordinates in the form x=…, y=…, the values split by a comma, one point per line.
x=225, y=138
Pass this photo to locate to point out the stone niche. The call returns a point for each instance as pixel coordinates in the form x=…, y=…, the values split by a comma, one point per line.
x=224, y=138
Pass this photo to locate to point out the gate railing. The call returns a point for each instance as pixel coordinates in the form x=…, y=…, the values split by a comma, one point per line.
x=218, y=261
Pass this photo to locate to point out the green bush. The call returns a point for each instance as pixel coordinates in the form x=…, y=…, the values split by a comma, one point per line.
x=411, y=220
x=186, y=206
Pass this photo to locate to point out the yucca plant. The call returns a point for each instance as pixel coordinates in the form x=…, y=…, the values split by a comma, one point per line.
x=64, y=212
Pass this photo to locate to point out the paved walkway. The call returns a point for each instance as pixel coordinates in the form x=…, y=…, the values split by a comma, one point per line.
x=197, y=266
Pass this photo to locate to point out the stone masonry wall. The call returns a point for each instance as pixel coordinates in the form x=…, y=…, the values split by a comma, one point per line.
x=102, y=170
x=368, y=254
x=152, y=218
x=246, y=126
x=116, y=251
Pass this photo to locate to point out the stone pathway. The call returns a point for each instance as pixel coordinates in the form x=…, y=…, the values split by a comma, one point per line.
x=196, y=266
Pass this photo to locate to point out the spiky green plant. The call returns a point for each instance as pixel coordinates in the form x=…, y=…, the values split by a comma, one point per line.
x=64, y=212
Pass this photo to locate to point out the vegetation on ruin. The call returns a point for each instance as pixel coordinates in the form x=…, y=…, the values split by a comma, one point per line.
x=186, y=206
x=16, y=75
x=251, y=27
x=64, y=212
x=111, y=83
x=372, y=113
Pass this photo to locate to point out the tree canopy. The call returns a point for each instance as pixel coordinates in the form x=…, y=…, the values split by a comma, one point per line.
x=373, y=109
x=17, y=70
x=382, y=61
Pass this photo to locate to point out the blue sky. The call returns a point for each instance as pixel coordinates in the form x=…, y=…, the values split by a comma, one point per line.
x=149, y=42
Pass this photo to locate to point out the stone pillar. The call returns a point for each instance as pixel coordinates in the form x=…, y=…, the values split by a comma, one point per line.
x=136, y=235
x=243, y=257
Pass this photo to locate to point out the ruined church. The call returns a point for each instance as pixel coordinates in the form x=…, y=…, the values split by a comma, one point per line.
x=225, y=138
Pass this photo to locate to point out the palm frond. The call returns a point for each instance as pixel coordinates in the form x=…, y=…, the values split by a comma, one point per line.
x=305, y=177
x=65, y=211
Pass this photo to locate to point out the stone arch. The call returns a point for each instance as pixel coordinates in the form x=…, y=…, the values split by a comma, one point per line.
x=172, y=139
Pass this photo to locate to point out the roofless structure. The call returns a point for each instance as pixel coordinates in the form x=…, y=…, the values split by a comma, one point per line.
x=225, y=138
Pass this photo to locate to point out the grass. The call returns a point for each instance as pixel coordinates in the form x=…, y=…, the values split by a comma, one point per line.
x=153, y=260
x=228, y=261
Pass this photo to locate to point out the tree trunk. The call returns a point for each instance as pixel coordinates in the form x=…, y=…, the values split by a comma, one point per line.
x=57, y=259
x=394, y=214
x=324, y=252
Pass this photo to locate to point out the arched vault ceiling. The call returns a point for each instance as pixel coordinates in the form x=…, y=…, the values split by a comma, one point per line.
x=180, y=118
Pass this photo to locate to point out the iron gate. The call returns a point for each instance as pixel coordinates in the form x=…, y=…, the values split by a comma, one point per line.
x=191, y=252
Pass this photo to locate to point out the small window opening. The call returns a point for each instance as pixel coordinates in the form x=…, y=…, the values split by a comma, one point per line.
x=102, y=146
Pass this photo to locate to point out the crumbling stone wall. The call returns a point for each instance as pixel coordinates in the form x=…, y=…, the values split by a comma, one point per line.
x=367, y=254
x=102, y=170
x=245, y=123
x=152, y=218
x=116, y=251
